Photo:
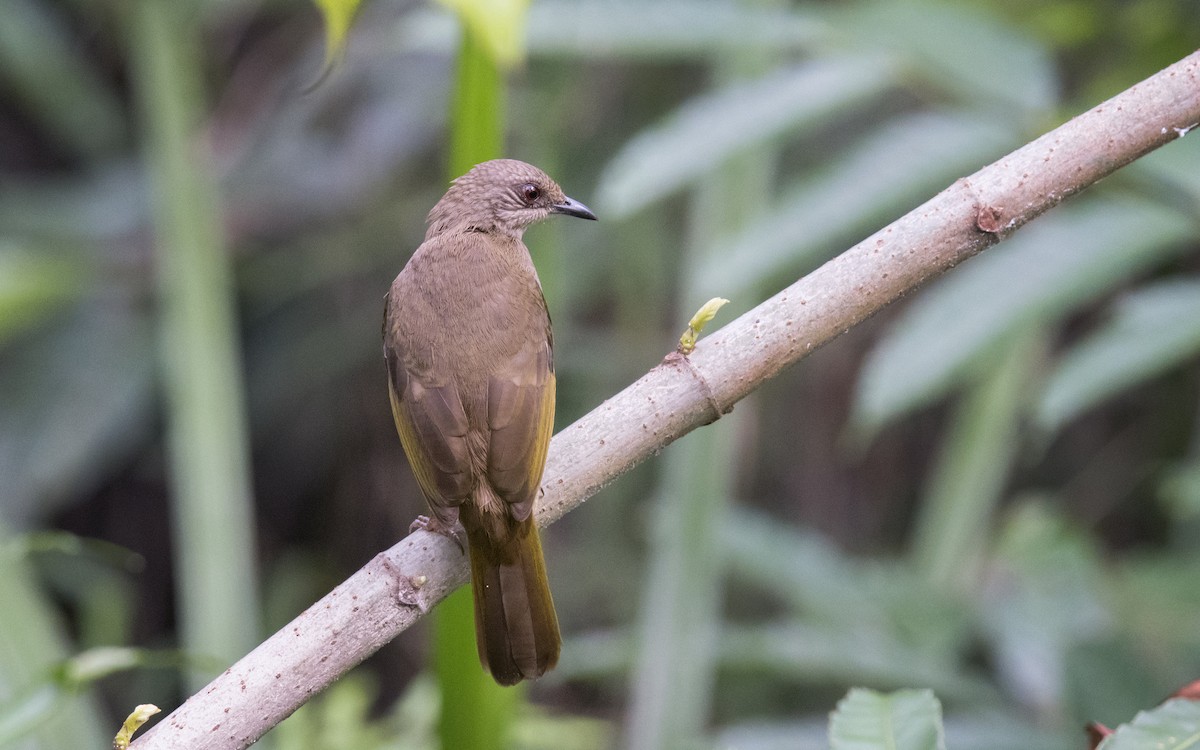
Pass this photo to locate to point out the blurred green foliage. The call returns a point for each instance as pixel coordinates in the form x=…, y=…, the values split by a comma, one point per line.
x=991, y=490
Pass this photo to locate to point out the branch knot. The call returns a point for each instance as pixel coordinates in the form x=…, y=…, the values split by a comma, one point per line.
x=679, y=360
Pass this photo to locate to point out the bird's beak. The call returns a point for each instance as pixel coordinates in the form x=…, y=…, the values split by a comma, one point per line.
x=572, y=207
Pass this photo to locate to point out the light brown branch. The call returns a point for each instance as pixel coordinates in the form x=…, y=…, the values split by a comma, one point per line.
x=398, y=586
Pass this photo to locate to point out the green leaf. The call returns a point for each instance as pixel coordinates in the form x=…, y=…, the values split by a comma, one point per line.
x=869, y=182
x=987, y=730
x=1010, y=730
x=339, y=15
x=536, y=730
x=902, y=614
x=967, y=52
x=1173, y=171
x=972, y=467
x=1108, y=677
x=33, y=704
x=25, y=713
x=671, y=29
x=800, y=652
x=1180, y=491
x=667, y=29
x=31, y=287
x=904, y=720
x=843, y=654
x=47, y=75
x=342, y=717
x=1152, y=330
x=1175, y=725
x=499, y=25
x=1157, y=599
x=703, y=316
x=141, y=714
x=1059, y=262
x=62, y=432
x=1044, y=594
x=74, y=214
x=710, y=129
x=827, y=587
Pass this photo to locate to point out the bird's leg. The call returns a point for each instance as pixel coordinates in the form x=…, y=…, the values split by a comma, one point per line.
x=454, y=531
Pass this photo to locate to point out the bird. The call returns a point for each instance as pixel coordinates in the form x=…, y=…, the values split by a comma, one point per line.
x=470, y=361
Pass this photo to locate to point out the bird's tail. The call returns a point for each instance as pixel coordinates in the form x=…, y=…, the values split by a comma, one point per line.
x=516, y=628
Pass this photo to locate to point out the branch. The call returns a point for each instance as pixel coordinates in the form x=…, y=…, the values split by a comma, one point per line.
x=682, y=393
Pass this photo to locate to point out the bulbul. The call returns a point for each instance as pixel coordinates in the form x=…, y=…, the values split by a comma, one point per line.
x=470, y=360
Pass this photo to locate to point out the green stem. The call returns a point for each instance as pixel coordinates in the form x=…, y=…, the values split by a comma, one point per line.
x=677, y=655
x=206, y=424
x=477, y=111
x=476, y=712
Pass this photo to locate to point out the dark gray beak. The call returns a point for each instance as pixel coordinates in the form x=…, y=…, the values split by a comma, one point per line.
x=572, y=207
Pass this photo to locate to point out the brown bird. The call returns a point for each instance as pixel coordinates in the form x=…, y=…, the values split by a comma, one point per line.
x=470, y=360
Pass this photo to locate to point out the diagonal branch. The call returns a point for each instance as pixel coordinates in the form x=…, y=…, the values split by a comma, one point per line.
x=395, y=589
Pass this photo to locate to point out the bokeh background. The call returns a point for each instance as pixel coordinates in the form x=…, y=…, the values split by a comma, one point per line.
x=991, y=489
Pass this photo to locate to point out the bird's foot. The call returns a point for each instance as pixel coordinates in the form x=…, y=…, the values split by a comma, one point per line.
x=431, y=524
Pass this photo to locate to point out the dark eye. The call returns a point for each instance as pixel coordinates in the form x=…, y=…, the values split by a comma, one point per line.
x=530, y=193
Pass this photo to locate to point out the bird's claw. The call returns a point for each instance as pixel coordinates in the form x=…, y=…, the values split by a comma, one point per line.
x=431, y=524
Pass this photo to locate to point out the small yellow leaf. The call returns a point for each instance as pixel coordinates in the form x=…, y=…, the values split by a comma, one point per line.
x=706, y=313
x=132, y=724
x=687, y=342
x=499, y=25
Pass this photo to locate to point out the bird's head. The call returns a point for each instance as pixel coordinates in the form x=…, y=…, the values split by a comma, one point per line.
x=503, y=195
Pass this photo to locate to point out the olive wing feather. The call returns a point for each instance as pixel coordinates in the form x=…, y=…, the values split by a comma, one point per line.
x=520, y=420
x=433, y=429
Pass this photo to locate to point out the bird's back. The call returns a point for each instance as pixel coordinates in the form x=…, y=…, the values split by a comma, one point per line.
x=465, y=305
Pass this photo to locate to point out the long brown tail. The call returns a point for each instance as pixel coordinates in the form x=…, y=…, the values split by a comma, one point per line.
x=516, y=628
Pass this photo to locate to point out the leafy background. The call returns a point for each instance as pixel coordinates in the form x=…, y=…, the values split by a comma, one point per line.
x=991, y=490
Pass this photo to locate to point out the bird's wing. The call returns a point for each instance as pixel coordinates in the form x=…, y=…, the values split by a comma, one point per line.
x=433, y=428
x=521, y=419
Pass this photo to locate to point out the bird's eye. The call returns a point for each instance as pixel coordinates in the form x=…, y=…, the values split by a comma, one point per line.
x=530, y=193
